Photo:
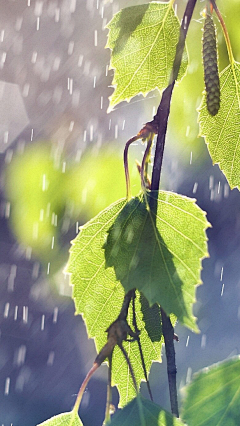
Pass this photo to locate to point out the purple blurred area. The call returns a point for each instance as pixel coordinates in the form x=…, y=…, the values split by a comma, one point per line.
x=54, y=66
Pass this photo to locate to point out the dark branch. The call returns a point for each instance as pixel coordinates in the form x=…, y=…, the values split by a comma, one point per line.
x=161, y=121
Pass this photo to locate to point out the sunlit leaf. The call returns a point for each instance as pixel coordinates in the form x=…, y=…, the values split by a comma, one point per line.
x=163, y=262
x=98, y=296
x=142, y=412
x=213, y=397
x=64, y=419
x=222, y=132
x=143, y=41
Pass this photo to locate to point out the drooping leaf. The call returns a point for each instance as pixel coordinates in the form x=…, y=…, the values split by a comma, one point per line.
x=98, y=296
x=213, y=397
x=162, y=261
x=222, y=132
x=142, y=412
x=63, y=419
x=143, y=41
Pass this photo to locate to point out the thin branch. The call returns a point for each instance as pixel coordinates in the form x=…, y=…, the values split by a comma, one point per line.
x=161, y=119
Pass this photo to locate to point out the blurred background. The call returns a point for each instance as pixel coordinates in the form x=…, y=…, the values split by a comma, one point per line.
x=61, y=163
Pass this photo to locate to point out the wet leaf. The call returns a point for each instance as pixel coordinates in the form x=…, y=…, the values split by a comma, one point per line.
x=143, y=41
x=222, y=132
x=163, y=262
x=98, y=296
x=213, y=397
x=142, y=412
x=64, y=419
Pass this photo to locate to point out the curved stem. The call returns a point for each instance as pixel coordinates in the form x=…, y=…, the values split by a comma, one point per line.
x=144, y=163
x=225, y=31
x=125, y=160
x=83, y=387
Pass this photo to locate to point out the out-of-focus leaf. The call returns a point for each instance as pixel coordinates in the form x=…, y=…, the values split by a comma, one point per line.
x=213, y=397
x=98, y=296
x=163, y=262
x=222, y=132
x=143, y=41
x=64, y=419
x=142, y=412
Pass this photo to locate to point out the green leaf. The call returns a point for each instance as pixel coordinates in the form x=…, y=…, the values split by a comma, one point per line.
x=213, y=397
x=143, y=41
x=142, y=412
x=98, y=296
x=221, y=132
x=64, y=419
x=162, y=261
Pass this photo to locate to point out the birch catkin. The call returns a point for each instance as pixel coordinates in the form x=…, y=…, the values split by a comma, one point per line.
x=211, y=76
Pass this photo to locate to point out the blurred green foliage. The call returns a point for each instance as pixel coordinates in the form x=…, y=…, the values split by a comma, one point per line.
x=48, y=197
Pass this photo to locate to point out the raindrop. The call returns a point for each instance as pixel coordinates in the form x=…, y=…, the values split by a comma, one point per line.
x=94, y=81
x=25, y=90
x=77, y=227
x=116, y=131
x=154, y=111
x=185, y=22
x=71, y=125
x=35, y=270
x=221, y=275
x=21, y=354
x=41, y=215
x=6, y=310
x=2, y=35
x=123, y=125
x=102, y=11
x=5, y=136
x=189, y=374
x=52, y=246
x=70, y=47
x=7, y=386
x=34, y=57
x=106, y=70
x=25, y=314
x=188, y=128
x=50, y=358
x=28, y=2
x=203, y=341
x=48, y=268
x=7, y=210
x=8, y=156
x=15, y=313
x=55, y=315
x=95, y=38
x=38, y=8
x=72, y=7
x=219, y=186
x=64, y=167
x=175, y=9
x=222, y=290
x=187, y=341
x=226, y=190
x=110, y=123
x=11, y=278
x=195, y=187
x=84, y=135
x=91, y=132
x=57, y=14
x=80, y=60
x=211, y=182
x=38, y=24
x=31, y=138
x=42, y=322
x=56, y=63
x=191, y=157
x=101, y=102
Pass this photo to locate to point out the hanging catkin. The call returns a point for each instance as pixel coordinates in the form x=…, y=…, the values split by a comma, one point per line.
x=211, y=76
